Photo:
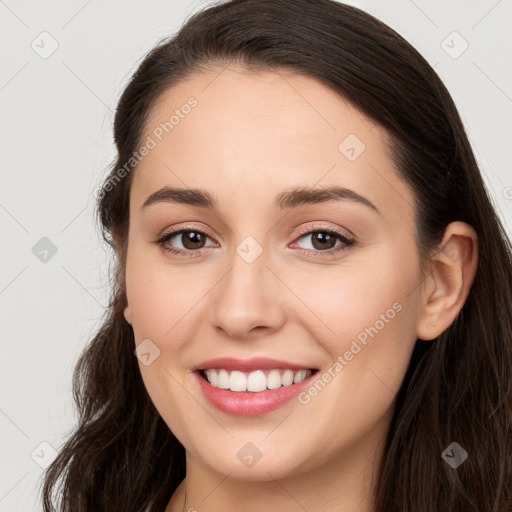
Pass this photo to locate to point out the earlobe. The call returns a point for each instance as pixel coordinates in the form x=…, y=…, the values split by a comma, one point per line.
x=453, y=270
x=128, y=315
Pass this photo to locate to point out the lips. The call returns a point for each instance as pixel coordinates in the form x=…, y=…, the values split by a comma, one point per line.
x=248, y=365
x=251, y=387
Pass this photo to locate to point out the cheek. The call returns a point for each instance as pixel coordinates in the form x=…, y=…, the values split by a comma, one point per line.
x=363, y=311
x=374, y=299
x=367, y=325
x=160, y=295
x=374, y=335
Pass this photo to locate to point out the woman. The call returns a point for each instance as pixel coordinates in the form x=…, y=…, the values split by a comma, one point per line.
x=312, y=306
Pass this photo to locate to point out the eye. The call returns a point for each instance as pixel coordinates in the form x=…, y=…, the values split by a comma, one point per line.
x=323, y=240
x=191, y=240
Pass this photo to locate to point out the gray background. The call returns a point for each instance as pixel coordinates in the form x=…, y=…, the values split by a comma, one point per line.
x=56, y=119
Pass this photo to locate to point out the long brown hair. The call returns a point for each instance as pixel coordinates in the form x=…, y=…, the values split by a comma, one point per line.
x=458, y=387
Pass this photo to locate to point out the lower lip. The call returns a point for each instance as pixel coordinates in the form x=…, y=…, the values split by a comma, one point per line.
x=248, y=403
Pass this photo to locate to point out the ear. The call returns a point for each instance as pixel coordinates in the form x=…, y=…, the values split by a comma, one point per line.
x=453, y=269
x=128, y=315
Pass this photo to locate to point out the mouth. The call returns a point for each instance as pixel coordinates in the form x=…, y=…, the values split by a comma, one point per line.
x=251, y=388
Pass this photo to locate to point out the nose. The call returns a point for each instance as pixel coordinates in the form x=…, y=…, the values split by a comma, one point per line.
x=248, y=303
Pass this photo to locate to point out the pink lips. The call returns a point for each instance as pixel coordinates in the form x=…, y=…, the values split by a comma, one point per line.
x=248, y=365
x=249, y=403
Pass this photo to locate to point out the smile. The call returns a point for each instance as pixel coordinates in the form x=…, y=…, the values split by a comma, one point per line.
x=251, y=387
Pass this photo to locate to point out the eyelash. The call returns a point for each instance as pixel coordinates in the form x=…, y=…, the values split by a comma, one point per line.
x=347, y=243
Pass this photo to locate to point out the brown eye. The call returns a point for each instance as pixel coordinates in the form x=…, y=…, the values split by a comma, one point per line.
x=192, y=239
x=322, y=240
x=325, y=241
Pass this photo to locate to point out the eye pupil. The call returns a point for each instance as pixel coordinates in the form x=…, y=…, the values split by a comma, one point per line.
x=323, y=237
x=192, y=239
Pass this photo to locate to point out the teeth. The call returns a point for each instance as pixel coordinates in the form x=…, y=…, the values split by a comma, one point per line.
x=273, y=380
x=256, y=381
x=237, y=381
x=223, y=382
x=287, y=378
x=299, y=376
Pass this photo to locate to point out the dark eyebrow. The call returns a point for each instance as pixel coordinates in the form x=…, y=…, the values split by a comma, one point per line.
x=304, y=195
x=192, y=197
x=289, y=199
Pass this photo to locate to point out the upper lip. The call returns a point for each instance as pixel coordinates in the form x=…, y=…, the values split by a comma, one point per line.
x=248, y=365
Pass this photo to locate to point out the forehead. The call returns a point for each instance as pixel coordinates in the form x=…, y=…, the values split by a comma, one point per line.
x=245, y=104
x=257, y=131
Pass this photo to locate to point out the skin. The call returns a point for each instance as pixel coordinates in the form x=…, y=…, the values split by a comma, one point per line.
x=252, y=136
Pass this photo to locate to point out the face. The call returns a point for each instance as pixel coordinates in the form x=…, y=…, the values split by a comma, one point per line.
x=309, y=298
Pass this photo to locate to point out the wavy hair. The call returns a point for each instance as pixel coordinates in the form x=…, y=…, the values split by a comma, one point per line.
x=458, y=387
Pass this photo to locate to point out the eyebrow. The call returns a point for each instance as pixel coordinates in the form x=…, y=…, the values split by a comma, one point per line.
x=293, y=198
